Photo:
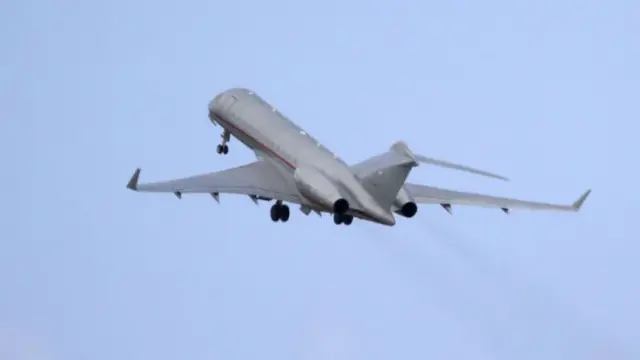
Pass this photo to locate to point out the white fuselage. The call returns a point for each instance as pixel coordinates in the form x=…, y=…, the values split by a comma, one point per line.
x=265, y=130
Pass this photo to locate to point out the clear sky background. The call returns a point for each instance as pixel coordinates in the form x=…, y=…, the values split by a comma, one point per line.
x=544, y=92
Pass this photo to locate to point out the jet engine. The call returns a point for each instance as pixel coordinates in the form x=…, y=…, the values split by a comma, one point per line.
x=316, y=187
x=405, y=204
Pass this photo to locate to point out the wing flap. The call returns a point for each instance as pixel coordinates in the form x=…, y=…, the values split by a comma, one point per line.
x=258, y=179
x=432, y=195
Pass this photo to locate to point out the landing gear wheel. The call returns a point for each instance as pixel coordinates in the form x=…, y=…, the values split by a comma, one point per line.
x=337, y=219
x=284, y=213
x=222, y=149
x=274, y=213
x=280, y=212
x=342, y=219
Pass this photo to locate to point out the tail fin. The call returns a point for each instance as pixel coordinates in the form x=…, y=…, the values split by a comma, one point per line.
x=402, y=147
x=390, y=176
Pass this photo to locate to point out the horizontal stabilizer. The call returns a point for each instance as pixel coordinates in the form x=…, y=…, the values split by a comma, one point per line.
x=403, y=148
x=448, y=165
x=371, y=165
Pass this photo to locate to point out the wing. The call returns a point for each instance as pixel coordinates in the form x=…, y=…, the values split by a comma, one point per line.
x=258, y=180
x=423, y=194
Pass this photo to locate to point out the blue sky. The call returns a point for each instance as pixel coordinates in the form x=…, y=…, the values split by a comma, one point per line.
x=543, y=92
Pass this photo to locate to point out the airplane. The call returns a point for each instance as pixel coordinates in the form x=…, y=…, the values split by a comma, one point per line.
x=293, y=167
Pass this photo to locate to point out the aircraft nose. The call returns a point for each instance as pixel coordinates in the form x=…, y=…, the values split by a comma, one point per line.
x=214, y=104
x=212, y=115
x=214, y=107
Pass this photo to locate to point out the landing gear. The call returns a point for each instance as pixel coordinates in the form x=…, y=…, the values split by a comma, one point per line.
x=279, y=211
x=223, y=148
x=342, y=219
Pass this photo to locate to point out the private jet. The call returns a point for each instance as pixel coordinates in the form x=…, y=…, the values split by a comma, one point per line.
x=293, y=167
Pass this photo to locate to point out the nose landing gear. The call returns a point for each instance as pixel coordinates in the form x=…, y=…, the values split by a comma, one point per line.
x=223, y=148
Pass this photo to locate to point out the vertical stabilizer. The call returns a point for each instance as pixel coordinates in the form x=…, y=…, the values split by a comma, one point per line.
x=391, y=174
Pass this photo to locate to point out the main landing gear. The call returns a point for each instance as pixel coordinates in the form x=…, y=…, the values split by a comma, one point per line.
x=279, y=211
x=223, y=148
x=342, y=219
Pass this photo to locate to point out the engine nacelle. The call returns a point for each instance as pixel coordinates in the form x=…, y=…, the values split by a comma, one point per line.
x=405, y=204
x=316, y=187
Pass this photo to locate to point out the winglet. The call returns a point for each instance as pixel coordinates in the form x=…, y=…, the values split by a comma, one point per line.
x=578, y=203
x=133, y=182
